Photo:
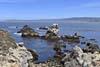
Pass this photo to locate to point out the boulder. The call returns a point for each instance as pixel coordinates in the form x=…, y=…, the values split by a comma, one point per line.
x=91, y=48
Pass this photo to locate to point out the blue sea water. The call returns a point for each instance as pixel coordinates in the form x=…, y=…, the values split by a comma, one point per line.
x=44, y=48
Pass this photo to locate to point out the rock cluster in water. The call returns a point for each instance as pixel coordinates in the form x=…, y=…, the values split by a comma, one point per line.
x=28, y=32
x=51, y=34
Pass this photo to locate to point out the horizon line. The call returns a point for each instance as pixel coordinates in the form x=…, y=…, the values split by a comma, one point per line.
x=47, y=18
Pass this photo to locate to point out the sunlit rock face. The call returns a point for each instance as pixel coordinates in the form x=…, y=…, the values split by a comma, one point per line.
x=78, y=58
x=54, y=28
x=12, y=55
x=52, y=33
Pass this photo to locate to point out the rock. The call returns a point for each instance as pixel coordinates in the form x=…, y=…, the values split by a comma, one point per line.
x=54, y=28
x=91, y=48
x=34, y=54
x=52, y=33
x=44, y=28
x=78, y=58
x=28, y=32
x=72, y=63
x=71, y=39
x=77, y=49
x=57, y=48
x=11, y=54
x=51, y=62
x=6, y=41
x=52, y=36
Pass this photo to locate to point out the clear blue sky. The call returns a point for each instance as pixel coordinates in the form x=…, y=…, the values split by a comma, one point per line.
x=41, y=9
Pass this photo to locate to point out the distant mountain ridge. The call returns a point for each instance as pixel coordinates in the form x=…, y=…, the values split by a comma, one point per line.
x=88, y=19
x=73, y=19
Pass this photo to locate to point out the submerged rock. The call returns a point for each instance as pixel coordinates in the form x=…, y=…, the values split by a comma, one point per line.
x=28, y=32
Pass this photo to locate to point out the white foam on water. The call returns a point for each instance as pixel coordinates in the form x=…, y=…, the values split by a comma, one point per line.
x=37, y=28
x=12, y=27
x=19, y=34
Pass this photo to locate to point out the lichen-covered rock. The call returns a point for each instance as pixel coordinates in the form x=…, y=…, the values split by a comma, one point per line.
x=28, y=32
x=12, y=55
x=6, y=41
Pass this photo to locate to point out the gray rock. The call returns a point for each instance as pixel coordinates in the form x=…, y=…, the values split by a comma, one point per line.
x=12, y=55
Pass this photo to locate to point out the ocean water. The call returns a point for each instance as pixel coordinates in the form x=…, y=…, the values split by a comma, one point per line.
x=91, y=30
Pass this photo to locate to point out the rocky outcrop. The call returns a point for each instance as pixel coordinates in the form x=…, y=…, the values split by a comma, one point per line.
x=51, y=36
x=52, y=33
x=71, y=39
x=6, y=41
x=91, y=48
x=12, y=54
x=34, y=54
x=28, y=32
x=78, y=58
x=53, y=62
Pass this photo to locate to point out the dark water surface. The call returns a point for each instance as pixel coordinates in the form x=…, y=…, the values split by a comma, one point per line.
x=44, y=48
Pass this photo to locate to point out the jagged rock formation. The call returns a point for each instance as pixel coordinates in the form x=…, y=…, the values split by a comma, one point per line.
x=11, y=54
x=28, y=32
x=78, y=58
x=52, y=33
x=91, y=48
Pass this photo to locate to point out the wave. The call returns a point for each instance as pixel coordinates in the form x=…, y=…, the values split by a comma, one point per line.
x=19, y=34
x=13, y=27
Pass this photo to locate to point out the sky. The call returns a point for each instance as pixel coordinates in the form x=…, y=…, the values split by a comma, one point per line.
x=48, y=9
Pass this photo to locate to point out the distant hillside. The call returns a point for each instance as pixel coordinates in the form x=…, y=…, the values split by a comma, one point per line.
x=87, y=19
x=74, y=19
